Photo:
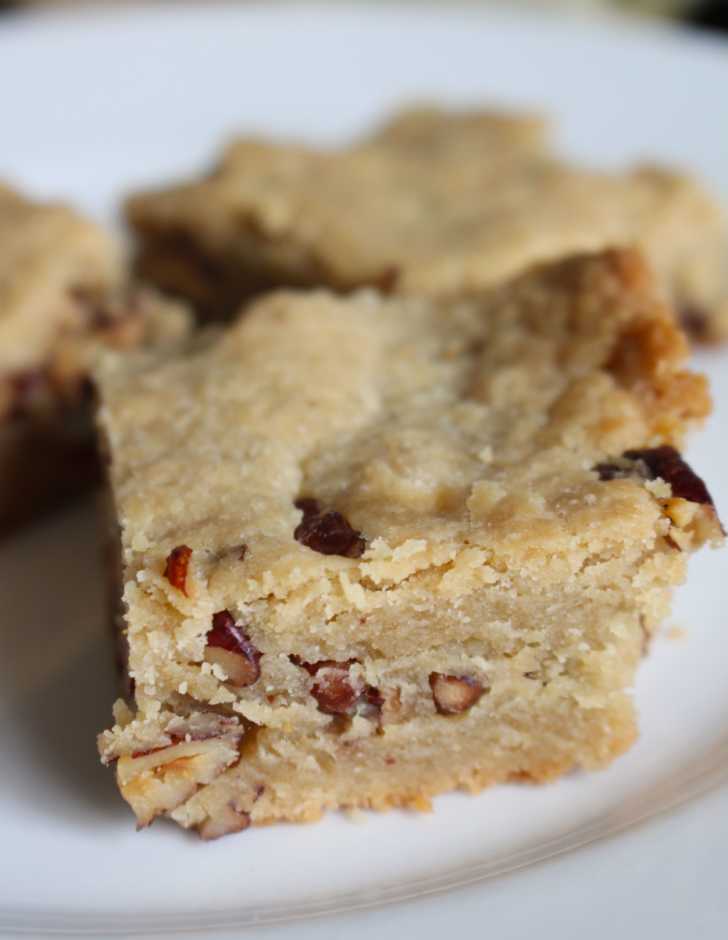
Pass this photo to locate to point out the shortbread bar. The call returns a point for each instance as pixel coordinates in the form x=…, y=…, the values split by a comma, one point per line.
x=435, y=203
x=375, y=549
x=61, y=297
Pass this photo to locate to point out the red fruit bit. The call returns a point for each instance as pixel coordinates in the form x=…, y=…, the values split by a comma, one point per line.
x=454, y=694
x=328, y=533
x=231, y=648
x=175, y=569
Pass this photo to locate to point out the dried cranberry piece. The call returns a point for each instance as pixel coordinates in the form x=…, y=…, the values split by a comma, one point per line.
x=667, y=463
x=328, y=533
x=240, y=657
x=175, y=569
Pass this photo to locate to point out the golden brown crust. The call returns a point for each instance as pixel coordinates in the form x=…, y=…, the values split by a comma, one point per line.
x=649, y=355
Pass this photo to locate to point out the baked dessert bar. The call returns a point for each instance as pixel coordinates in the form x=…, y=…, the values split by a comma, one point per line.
x=375, y=549
x=435, y=202
x=233, y=234
x=61, y=296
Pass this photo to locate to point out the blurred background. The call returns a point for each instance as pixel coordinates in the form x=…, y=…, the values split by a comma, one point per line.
x=710, y=14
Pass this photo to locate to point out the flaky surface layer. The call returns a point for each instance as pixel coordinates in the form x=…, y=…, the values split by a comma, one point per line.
x=435, y=202
x=489, y=519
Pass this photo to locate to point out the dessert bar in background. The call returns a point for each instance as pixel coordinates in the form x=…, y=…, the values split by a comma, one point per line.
x=62, y=296
x=378, y=548
x=435, y=203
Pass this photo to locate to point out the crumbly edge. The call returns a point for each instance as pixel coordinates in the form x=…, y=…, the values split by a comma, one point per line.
x=385, y=757
x=246, y=788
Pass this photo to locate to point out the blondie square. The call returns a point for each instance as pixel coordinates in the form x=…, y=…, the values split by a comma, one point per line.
x=378, y=548
x=61, y=297
x=435, y=202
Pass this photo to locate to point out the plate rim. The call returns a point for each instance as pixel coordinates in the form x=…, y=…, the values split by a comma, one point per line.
x=697, y=780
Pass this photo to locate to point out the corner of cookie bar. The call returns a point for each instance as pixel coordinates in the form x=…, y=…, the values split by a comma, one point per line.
x=648, y=356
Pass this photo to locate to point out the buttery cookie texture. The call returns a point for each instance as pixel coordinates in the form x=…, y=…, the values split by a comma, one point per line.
x=378, y=548
x=435, y=203
x=62, y=297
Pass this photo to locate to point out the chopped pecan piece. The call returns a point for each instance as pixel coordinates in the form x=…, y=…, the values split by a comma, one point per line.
x=229, y=819
x=454, y=694
x=327, y=532
x=337, y=693
x=159, y=780
x=226, y=821
x=333, y=689
x=369, y=704
x=232, y=650
x=175, y=569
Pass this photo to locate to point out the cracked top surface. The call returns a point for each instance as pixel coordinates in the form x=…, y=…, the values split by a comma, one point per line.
x=440, y=202
x=449, y=430
x=47, y=251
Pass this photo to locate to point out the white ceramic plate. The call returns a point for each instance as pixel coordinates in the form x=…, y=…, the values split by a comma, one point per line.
x=91, y=104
